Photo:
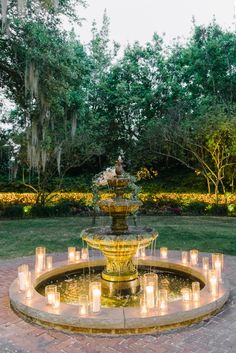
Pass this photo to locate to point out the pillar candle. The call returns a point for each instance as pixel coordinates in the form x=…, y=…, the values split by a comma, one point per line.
x=22, y=276
x=184, y=256
x=49, y=262
x=163, y=253
x=194, y=257
x=71, y=253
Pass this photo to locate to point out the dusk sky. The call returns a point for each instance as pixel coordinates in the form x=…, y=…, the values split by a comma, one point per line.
x=132, y=20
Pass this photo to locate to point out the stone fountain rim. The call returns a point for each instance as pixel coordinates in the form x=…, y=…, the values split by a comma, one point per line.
x=116, y=320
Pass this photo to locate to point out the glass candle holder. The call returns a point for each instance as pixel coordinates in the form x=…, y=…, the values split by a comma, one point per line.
x=71, y=253
x=150, y=284
x=57, y=300
x=184, y=257
x=218, y=269
x=217, y=264
x=50, y=291
x=95, y=296
x=163, y=299
x=193, y=257
x=215, y=257
x=77, y=255
x=150, y=296
x=213, y=282
x=49, y=262
x=84, y=254
x=196, y=291
x=205, y=263
x=29, y=289
x=186, y=294
x=22, y=276
x=40, y=259
x=83, y=305
x=163, y=253
x=143, y=306
x=142, y=252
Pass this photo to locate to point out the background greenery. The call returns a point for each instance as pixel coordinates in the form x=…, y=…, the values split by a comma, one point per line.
x=170, y=109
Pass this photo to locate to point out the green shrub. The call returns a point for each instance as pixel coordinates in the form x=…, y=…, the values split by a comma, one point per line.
x=42, y=211
x=71, y=208
x=232, y=209
x=217, y=210
x=194, y=207
x=14, y=211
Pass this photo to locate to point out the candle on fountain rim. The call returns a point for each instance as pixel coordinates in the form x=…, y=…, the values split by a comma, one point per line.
x=184, y=257
x=186, y=294
x=193, y=257
x=95, y=296
x=215, y=257
x=57, y=300
x=150, y=280
x=143, y=252
x=28, y=291
x=51, y=298
x=218, y=269
x=40, y=255
x=22, y=276
x=150, y=296
x=96, y=307
x=196, y=291
x=217, y=264
x=77, y=255
x=137, y=254
x=143, y=306
x=84, y=254
x=71, y=253
x=163, y=299
x=50, y=291
x=83, y=305
x=205, y=263
x=49, y=262
x=213, y=282
x=163, y=253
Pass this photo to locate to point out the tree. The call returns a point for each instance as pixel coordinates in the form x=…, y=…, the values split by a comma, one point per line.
x=45, y=71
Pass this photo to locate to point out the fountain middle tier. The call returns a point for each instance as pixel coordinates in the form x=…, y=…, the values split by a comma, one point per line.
x=120, y=275
x=119, y=209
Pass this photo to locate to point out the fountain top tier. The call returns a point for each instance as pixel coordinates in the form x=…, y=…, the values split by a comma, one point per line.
x=119, y=207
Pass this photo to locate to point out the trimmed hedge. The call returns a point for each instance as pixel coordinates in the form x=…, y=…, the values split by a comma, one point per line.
x=14, y=205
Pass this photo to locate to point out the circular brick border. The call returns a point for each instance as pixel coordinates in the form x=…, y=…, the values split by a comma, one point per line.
x=118, y=320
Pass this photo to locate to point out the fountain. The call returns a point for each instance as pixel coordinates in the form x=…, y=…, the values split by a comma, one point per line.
x=111, y=289
x=120, y=242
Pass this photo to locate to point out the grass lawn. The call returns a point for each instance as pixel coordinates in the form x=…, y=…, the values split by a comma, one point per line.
x=210, y=234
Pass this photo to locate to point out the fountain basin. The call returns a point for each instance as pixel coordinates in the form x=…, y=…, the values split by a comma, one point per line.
x=118, y=320
x=119, y=251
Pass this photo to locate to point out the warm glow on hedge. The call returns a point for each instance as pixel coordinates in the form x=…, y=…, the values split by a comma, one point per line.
x=13, y=198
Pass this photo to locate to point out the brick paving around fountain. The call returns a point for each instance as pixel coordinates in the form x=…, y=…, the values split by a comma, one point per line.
x=215, y=335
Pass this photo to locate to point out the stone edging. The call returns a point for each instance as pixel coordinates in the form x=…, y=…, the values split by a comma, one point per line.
x=117, y=320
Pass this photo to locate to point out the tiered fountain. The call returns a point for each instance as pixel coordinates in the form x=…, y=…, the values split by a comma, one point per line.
x=120, y=242
x=102, y=294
